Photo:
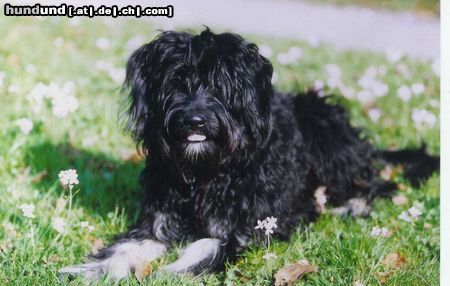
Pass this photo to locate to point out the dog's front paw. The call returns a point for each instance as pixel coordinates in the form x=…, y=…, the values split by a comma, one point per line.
x=119, y=261
x=89, y=271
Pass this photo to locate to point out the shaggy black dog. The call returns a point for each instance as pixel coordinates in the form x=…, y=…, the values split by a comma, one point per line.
x=224, y=150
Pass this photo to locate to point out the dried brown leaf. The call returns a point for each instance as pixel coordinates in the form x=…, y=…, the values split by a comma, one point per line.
x=402, y=187
x=291, y=273
x=143, y=269
x=39, y=177
x=394, y=260
x=97, y=245
x=130, y=155
x=383, y=276
x=400, y=200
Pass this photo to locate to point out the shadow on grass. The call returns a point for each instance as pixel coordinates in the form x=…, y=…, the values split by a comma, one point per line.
x=106, y=183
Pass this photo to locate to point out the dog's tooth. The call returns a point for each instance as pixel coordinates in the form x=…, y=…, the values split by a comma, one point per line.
x=196, y=137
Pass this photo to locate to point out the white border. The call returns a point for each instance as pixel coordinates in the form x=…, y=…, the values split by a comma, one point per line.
x=445, y=142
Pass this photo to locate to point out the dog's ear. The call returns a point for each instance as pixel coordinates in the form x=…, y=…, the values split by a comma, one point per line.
x=254, y=93
x=138, y=87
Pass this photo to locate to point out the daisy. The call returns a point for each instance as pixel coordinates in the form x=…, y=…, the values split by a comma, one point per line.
x=59, y=225
x=404, y=93
x=27, y=210
x=68, y=177
x=25, y=125
x=103, y=43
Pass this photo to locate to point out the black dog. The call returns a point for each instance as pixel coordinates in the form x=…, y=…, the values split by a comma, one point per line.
x=224, y=150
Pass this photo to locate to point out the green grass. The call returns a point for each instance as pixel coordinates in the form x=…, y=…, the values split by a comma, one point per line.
x=108, y=189
x=430, y=7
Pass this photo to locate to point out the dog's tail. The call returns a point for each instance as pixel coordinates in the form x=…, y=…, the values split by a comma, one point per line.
x=417, y=164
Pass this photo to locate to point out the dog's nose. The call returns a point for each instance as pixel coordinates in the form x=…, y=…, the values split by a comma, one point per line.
x=194, y=121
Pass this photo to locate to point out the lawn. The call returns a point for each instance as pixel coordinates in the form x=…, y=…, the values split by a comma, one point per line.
x=394, y=98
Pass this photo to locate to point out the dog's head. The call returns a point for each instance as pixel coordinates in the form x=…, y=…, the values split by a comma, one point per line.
x=198, y=99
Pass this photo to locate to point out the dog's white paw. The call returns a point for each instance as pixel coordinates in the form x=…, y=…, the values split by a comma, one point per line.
x=196, y=253
x=122, y=261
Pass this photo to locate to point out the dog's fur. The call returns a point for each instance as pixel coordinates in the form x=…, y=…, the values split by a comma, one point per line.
x=265, y=154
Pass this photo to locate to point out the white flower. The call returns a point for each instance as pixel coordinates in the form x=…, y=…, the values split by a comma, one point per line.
x=380, y=232
x=27, y=210
x=376, y=231
x=295, y=52
x=59, y=225
x=423, y=118
x=85, y=224
x=58, y=42
x=117, y=74
x=404, y=93
x=268, y=231
x=434, y=103
x=374, y=114
x=265, y=50
x=414, y=212
x=63, y=105
x=271, y=222
x=268, y=225
x=269, y=255
x=346, y=91
x=394, y=56
x=318, y=85
x=103, y=43
x=260, y=224
x=365, y=96
x=30, y=69
x=382, y=70
x=333, y=70
x=291, y=56
x=417, y=88
x=135, y=42
x=62, y=98
x=334, y=82
x=405, y=216
x=385, y=232
x=25, y=125
x=274, y=77
x=2, y=77
x=14, y=88
x=403, y=70
x=37, y=95
x=103, y=65
x=68, y=177
x=379, y=89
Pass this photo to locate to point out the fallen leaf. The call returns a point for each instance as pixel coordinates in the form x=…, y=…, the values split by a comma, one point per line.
x=143, y=269
x=402, y=187
x=291, y=273
x=383, y=276
x=130, y=155
x=393, y=260
x=39, y=177
x=389, y=172
x=52, y=259
x=400, y=200
x=97, y=245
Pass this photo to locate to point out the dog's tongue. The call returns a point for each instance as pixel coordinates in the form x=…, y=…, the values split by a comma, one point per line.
x=196, y=138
